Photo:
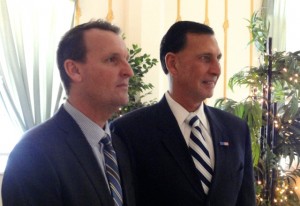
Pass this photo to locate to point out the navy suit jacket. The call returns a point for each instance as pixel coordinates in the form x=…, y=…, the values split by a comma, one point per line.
x=53, y=165
x=166, y=175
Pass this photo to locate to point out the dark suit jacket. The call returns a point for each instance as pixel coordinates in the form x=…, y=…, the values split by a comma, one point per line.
x=54, y=165
x=166, y=175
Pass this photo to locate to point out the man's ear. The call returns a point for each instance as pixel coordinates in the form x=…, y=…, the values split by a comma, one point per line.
x=72, y=70
x=170, y=60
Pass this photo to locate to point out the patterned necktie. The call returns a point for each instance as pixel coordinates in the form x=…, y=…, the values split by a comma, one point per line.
x=112, y=171
x=199, y=152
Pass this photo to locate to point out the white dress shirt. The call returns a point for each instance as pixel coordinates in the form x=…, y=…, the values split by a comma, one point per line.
x=92, y=132
x=181, y=114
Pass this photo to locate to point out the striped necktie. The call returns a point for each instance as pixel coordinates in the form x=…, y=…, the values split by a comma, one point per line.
x=112, y=171
x=199, y=152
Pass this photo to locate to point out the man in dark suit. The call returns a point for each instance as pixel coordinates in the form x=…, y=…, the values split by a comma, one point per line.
x=167, y=158
x=64, y=160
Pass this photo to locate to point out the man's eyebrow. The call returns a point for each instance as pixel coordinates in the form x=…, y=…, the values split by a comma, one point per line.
x=211, y=54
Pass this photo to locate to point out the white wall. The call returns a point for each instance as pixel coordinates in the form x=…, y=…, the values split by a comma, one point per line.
x=144, y=22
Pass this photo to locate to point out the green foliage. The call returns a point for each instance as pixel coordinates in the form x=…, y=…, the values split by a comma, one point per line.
x=250, y=111
x=259, y=29
x=140, y=64
x=284, y=119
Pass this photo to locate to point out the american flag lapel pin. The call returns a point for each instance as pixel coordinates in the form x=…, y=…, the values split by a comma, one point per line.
x=224, y=143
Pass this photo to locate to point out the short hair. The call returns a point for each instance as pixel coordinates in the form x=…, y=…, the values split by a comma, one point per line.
x=175, y=38
x=72, y=46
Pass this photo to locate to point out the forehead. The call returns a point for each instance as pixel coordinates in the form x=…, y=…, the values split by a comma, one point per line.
x=202, y=42
x=192, y=38
x=97, y=39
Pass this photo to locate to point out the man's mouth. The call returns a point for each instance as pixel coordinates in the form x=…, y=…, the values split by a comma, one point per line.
x=209, y=82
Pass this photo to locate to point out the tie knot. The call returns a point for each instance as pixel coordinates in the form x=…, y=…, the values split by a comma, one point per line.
x=106, y=141
x=193, y=120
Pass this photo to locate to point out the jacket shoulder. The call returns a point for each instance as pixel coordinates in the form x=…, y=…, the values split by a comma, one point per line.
x=221, y=114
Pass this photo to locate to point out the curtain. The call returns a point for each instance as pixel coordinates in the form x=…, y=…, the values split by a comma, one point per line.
x=30, y=87
x=276, y=15
x=292, y=27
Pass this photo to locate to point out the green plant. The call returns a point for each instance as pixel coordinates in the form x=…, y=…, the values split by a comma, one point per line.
x=259, y=28
x=273, y=115
x=140, y=64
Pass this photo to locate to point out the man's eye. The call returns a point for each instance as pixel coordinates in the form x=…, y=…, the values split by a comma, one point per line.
x=112, y=59
x=205, y=58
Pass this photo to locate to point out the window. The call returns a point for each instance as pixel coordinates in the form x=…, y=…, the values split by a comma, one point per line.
x=10, y=135
x=292, y=25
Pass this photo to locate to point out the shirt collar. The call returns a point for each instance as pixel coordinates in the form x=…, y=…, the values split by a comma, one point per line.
x=181, y=113
x=93, y=132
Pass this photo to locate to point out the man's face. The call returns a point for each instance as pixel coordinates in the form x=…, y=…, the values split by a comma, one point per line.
x=106, y=72
x=197, y=68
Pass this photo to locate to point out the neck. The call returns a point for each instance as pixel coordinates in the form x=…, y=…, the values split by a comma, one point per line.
x=185, y=102
x=99, y=116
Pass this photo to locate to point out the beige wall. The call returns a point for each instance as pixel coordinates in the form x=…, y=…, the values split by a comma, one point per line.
x=145, y=21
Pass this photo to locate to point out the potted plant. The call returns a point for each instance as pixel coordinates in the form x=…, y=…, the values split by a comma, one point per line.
x=273, y=116
x=140, y=64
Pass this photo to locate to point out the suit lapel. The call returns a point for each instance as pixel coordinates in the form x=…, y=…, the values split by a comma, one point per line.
x=221, y=143
x=176, y=145
x=124, y=169
x=84, y=155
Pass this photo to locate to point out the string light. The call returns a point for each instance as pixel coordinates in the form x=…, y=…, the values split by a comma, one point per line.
x=285, y=190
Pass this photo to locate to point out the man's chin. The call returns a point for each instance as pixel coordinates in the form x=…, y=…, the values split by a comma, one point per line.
x=123, y=102
x=207, y=96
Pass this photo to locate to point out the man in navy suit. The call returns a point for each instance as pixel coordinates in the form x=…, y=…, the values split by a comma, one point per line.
x=158, y=136
x=61, y=162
